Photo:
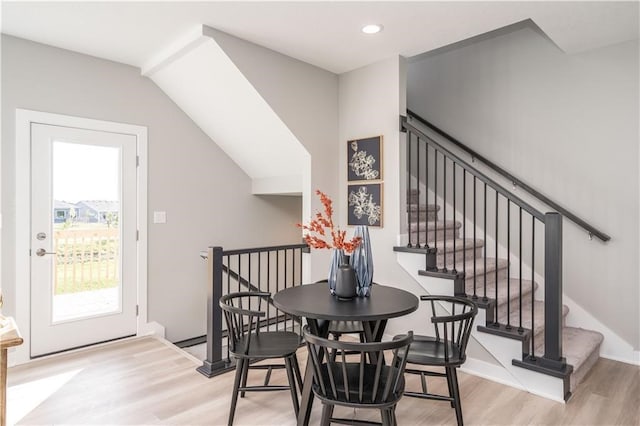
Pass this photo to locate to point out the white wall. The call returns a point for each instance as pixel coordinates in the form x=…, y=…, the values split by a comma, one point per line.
x=370, y=104
x=305, y=98
x=371, y=101
x=567, y=125
x=206, y=196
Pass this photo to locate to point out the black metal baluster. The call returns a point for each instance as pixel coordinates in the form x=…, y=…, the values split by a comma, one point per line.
x=249, y=282
x=444, y=213
x=300, y=259
x=228, y=291
x=520, y=329
x=228, y=274
x=293, y=267
x=418, y=191
x=259, y=283
x=496, y=271
x=269, y=283
x=454, y=269
x=277, y=287
x=435, y=198
x=285, y=284
x=464, y=223
x=239, y=271
x=508, y=264
x=426, y=197
x=484, y=294
x=409, y=183
x=475, y=293
x=533, y=260
x=259, y=271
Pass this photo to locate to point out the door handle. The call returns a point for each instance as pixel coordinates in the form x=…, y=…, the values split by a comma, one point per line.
x=41, y=252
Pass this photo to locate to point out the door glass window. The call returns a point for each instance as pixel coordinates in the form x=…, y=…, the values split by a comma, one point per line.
x=86, y=231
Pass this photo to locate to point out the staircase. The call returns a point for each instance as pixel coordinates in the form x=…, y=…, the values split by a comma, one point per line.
x=469, y=236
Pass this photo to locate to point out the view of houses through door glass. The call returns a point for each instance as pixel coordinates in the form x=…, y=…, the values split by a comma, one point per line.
x=83, y=244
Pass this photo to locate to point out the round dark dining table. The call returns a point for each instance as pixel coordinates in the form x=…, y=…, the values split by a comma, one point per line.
x=319, y=307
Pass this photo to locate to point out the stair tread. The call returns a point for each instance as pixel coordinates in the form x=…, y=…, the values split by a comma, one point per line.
x=514, y=284
x=580, y=346
x=461, y=244
x=468, y=266
x=526, y=317
x=577, y=345
x=432, y=225
x=412, y=207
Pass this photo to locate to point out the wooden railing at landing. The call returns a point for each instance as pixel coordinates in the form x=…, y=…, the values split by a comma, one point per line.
x=86, y=259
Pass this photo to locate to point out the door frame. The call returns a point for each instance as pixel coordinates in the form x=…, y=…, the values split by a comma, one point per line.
x=24, y=118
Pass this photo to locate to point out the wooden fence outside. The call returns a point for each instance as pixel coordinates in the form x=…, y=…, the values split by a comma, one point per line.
x=86, y=259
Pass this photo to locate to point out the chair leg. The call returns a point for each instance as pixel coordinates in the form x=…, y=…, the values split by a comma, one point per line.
x=245, y=374
x=450, y=385
x=292, y=384
x=393, y=416
x=296, y=370
x=456, y=393
x=327, y=412
x=387, y=417
x=236, y=384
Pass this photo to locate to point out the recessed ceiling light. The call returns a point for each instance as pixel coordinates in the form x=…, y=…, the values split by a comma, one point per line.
x=372, y=28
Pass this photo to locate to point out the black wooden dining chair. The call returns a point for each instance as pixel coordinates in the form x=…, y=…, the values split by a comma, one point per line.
x=447, y=348
x=349, y=380
x=247, y=343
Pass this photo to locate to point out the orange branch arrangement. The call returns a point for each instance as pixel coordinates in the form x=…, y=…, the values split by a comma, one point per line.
x=322, y=226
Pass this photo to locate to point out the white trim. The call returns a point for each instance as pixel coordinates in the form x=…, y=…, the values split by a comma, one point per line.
x=277, y=185
x=174, y=51
x=24, y=118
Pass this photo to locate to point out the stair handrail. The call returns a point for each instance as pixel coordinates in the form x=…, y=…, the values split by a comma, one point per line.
x=552, y=362
x=515, y=180
x=215, y=363
x=489, y=181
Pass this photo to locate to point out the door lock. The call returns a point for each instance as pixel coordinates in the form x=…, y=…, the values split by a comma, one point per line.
x=41, y=252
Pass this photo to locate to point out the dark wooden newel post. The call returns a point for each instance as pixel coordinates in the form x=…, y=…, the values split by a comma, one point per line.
x=553, y=291
x=214, y=364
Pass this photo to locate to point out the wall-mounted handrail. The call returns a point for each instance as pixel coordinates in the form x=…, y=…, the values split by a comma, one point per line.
x=516, y=181
x=492, y=183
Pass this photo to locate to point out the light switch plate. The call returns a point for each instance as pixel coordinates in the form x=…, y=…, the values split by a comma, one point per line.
x=159, y=217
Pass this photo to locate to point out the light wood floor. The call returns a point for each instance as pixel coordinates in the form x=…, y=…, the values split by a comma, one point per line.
x=147, y=382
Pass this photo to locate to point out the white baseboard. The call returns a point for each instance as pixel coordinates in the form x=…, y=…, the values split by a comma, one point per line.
x=152, y=327
x=184, y=353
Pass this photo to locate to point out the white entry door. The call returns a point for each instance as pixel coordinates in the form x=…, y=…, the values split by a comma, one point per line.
x=83, y=237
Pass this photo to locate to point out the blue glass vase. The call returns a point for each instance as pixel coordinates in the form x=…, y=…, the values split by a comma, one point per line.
x=362, y=261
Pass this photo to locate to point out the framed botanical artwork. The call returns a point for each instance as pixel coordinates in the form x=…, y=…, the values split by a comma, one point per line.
x=365, y=204
x=364, y=159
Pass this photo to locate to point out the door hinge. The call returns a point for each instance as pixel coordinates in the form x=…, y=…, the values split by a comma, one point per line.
x=137, y=235
x=137, y=310
x=137, y=161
